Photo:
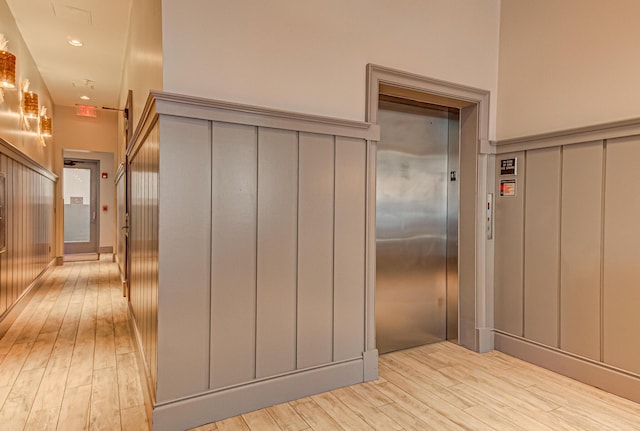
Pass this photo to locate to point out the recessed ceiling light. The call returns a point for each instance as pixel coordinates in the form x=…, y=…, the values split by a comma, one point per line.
x=75, y=42
x=85, y=97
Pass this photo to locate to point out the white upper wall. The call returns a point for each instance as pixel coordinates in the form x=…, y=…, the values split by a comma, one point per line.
x=566, y=64
x=143, y=60
x=22, y=133
x=86, y=133
x=311, y=56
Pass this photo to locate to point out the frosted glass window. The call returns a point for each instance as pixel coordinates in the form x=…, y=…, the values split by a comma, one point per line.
x=77, y=204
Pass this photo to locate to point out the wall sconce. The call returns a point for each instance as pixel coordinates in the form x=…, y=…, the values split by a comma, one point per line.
x=7, y=68
x=45, y=126
x=30, y=104
x=45, y=123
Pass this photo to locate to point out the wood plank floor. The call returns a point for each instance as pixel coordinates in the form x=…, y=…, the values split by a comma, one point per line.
x=67, y=363
x=446, y=387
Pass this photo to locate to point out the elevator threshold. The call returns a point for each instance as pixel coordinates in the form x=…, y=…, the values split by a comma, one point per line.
x=81, y=257
x=410, y=348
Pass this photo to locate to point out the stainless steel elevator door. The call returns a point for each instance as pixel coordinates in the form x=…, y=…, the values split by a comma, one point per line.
x=412, y=189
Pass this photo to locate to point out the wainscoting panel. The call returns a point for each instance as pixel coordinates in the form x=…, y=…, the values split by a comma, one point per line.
x=261, y=284
x=185, y=257
x=143, y=237
x=349, y=253
x=581, y=249
x=542, y=246
x=621, y=284
x=26, y=225
x=233, y=250
x=276, y=312
x=509, y=249
x=585, y=326
x=315, y=250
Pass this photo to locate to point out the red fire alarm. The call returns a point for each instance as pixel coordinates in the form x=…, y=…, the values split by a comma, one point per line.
x=105, y=207
x=105, y=175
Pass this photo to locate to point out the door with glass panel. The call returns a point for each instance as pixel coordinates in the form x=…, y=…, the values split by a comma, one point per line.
x=80, y=190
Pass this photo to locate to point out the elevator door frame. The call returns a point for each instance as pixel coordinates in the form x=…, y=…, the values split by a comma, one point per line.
x=474, y=298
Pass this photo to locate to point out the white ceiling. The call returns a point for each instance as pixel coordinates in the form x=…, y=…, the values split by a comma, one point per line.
x=102, y=25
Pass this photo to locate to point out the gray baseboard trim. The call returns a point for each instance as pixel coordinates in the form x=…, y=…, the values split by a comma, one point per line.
x=485, y=340
x=619, y=382
x=213, y=406
x=107, y=249
x=370, y=368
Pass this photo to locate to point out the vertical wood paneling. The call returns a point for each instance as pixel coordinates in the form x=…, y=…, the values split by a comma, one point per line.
x=315, y=250
x=11, y=233
x=542, y=246
x=19, y=226
x=28, y=213
x=183, y=350
x=277, y=251
x=509, y=242
x=349, y=248
x=233, y=259
x=22, y=242
x=154, y=202
x=121, y=238
x=622, y=251
x=143, y=282
x=581, y=248
x=4, y=261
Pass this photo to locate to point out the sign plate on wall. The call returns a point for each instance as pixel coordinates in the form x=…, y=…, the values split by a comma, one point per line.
x=509, y=166
x=508, y=188
x=85, y=111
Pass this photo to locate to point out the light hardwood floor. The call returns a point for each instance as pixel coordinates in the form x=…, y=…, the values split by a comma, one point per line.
x=67, y=363
x=446, y=387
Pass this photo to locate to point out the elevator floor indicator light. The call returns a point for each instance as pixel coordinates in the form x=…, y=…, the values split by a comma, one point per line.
x=508, y=188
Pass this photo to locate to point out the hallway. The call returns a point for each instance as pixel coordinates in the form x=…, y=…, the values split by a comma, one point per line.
x=67, y=362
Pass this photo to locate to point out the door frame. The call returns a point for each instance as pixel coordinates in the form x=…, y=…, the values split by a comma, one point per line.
x=475, y=297
x=94, y=228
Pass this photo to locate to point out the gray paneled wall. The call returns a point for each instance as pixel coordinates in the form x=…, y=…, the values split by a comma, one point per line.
x=143, y=235
x=234, y=254
x=621, y=271
x=541, y=245
x=277, y=251
x=349, y=249
x=581, y=249
x=121, y=222
x=567, y=250
x=287, y=287
x=28, y=216
x=248, y=256
x=509, y=237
